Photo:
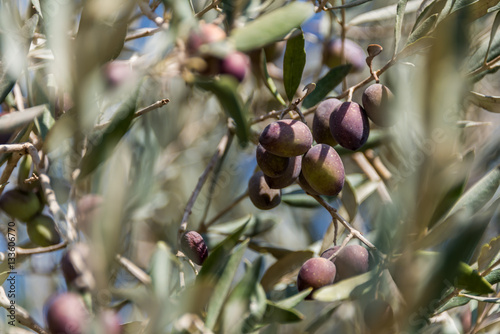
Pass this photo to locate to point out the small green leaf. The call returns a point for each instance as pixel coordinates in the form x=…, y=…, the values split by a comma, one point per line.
x=36, y=4
x=424, y=29
x=217, y=259
x=12, y=121
x=271, y=27
x=344, y=289
x=494, y=29
x=223, y=285
x=101, y=147
x=469, y=279
x=224, y=89
x=489, y=253
x=284, y=266
x=400, y=12
x=493, y=277
x=454, y=302
x=160, y=271
x=254, y=225
x=268, y=81
x=279, y=314
x=326, y=84
x=263, y=247
x=294, y=300
x=44, y=123
x=349, y=200
x=293, y=64
x=487, y=102
x=299, y=199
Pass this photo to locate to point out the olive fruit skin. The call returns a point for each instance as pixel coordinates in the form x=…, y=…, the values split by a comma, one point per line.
x=208, y=33
x=376, y=102
x=323, y=170
x=316, y=273
x=262, y=196
x=351, y=261
x=20, y=204
x=288, y=177
x=194, y=247
x=321, y=122
x=75, y=266
x=349, y=125
x=286, y=138
x=271, y=164
x=305, y=185
x=235, y=64
x=66, y=314
x=378, y=315
x=42, y=231
x=353, y=54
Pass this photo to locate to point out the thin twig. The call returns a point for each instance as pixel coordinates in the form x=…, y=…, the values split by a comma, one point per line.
x=228, y=208
x=22, y=316
x=9, y=168
x=213, y=5
x=41, y=250
x=372, y=174
x=134, y=270
x=378, y=165
x=335, y=215
x=148, y=12
x=201, y=181
x=156, y=105
x=344, y=243
x=142, y=33
x=486, y=66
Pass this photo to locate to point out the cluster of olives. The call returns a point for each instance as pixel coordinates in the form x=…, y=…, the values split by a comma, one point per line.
x=26, y=207
x=285, y=154
x=234, y=63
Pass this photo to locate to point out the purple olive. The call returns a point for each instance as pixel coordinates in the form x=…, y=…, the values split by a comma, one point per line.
x=321, y=122
x=194, y=247
x=316, y=273
x=377, y=100
x=288, y=177
x=349, y=125
x=351, y=261
x=286, y=138
x=66, y=314
x=261, y=195
x=323, y=170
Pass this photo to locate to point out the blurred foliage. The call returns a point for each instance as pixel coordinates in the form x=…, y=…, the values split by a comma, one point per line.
x=87, y=82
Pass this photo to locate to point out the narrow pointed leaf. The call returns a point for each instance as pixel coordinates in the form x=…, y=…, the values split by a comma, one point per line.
x=294, y=300
x=279, y=314
x=482, y=299
x=400, y=12
x=344, y=289
x=423, y=30
x=487, y=102
x=271, y=27
x=322, y=318
x=326, y=84
x=489, y=253
x=268, y=81
x=293, y=64
x=284, y=266
x=469, y=279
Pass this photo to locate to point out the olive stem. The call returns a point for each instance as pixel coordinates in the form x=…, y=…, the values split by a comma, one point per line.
x=378, y=165
x=344, y=243
x=213, y=5
x=335, y=215
x=363, y=163
x=142, y=33
x=40, y=250
x=349, y=95
x=134, y=270
x=22, y=316
x=148, y=12
x=9, y=168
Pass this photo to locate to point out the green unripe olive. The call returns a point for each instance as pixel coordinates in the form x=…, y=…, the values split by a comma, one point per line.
x=286, y=138
x=349, y=125
x=376, y=102
x=261, y=195
x=316, y=273
x=321, y=122
x=20, y=204
x=323, y=170
x=194, y=247
x=351, y=261
x=271, y=164
x=42, y=231
x=288, y=177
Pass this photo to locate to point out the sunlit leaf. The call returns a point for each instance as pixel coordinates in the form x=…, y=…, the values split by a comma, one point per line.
x=44, y=123
x=424, y=29
x=381, y=14
x=469, y=279
x=489, y=252
x=284, y=266
x=293, y=64
x=271, y=27
x=482, y=299
x=12, y=121
x=280, y=314
x=294, y=300
x=345, y=289
x=224, y=89
x=326, y=84
x=400, y=12
x=268, y=81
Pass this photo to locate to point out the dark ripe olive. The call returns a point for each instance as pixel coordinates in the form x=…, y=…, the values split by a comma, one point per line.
x=194, y=247
x=271, y=164
x=261, y=195
x=377, y=100
x=321, y=122
x=323, y=170
x=351, y=261
x=316, y=273
x=66, y=314
x=207, y=33
x=349, y=125
x=286, y=138
x=288, y=177
x=235, y=64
